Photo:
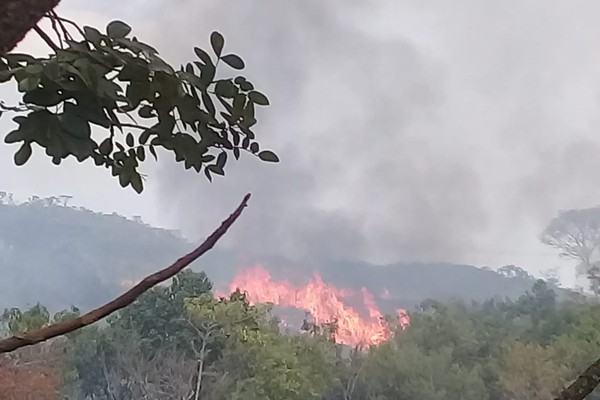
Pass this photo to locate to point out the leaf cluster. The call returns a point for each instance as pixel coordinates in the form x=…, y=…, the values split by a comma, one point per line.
x=112, y=83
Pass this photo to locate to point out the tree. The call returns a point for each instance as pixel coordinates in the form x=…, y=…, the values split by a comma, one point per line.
x=23, y=383
x=576, y=233
x=532, y=372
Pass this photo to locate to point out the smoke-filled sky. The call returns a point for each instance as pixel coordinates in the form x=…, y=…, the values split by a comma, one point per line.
x=429, y=131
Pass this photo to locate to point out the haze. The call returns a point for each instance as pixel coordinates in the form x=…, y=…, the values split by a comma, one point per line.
x=428, y=131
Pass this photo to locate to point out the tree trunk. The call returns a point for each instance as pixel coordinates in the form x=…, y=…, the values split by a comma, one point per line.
x=17, y=17
x=200, y=371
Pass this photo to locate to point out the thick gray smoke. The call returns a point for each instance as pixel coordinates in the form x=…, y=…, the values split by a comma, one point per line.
x=407, y=130
x=362, y=174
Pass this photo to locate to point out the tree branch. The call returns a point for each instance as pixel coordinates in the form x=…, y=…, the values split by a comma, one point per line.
x=61, y=328
x=583, y=385
x=46, y=38
x=17, y=17
x=53, y=15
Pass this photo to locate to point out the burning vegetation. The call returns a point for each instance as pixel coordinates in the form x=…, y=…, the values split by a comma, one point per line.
x=357, y=319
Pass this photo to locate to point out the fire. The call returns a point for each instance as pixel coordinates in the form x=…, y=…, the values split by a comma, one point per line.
x=325, y=303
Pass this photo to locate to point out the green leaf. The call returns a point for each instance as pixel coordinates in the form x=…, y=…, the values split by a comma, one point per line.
x=29, y=83
x=5, y=75
x=239, y=102
x=14, y=58
x=254, y=147
x=23, y=154
x=208, y=104
x=215, y=169
x=34, y=69
x=118, y=29
x=106, y=147
x=136, y=182
x=193, y=80
x=222, y=160
x=146, y=112
x=217, y=42
x=92, y=35
x=90, y=109
x=258, y=98
x=225, y=88
x=129, y=140
x=134, y=72
x=137, y=47
x=141, y=153
x=202, y=55
x=145, y=136
x=268, y=156
x=153, y=152
x=246, y=86
x=14, y=136
x=233, y=61
x=42, y=97
x=124, y=177
x=157, y=64
x=72, y=122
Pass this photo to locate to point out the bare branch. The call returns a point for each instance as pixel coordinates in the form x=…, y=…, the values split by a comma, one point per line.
x=53, y=15
x=61, y=328
x=583, y=385
x=46, y=38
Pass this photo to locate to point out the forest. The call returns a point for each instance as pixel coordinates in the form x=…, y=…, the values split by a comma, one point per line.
x=293, y=308
x=197, y=336
x=181, y=342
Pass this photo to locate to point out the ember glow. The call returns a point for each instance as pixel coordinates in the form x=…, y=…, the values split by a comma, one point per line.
x=325, y=303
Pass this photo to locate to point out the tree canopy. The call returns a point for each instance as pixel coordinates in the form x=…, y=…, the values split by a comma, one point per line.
x=181, y=341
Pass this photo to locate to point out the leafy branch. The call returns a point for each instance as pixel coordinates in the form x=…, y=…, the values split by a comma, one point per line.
x=102, y=79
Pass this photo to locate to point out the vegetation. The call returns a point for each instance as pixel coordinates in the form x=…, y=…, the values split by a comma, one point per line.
x=75, y=268
x=93, y=79
x=576, y=234
x=113, y=81
x=107, y=97
x=180, y=342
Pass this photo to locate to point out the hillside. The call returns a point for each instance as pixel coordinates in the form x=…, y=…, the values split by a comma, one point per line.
x=62, y=255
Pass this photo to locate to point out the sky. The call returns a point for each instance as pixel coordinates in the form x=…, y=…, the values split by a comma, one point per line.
x=407, y=131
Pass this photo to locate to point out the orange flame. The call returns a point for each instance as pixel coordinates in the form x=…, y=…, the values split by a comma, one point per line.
x=324, y=302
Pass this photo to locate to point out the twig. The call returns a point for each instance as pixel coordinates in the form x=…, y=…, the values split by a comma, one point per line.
x=68, y=21
x=46, y=38
x=55, y=18
x=128, y=125
x=61, y=328
x=58, y=35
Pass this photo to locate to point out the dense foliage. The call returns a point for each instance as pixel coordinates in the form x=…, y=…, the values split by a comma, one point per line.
x=108, y=97
x=160, y=346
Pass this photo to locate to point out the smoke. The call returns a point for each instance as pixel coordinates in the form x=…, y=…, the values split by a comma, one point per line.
x=348, y=121
x=407, y=130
